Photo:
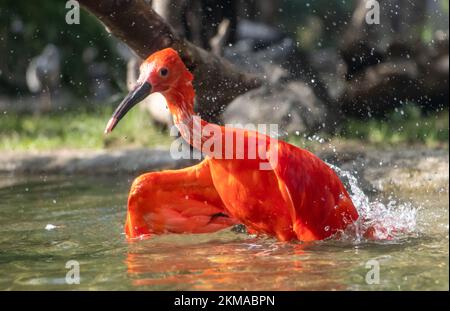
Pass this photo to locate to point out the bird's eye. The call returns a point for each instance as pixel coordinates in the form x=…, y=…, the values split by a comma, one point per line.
x=163, y=72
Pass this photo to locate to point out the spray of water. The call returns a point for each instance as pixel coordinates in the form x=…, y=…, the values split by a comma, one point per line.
x=378, y=221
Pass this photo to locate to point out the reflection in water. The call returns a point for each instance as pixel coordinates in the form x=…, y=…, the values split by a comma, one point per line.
x=224, y=265
x=88, y=216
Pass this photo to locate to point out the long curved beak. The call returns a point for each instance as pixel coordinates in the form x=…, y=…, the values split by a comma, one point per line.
x=134, y=97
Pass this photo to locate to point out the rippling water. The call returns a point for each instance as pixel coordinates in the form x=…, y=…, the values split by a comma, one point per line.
x=47, y=221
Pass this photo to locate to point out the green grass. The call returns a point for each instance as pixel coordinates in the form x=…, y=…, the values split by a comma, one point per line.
x=404, y=126
x=84, y=130
x=77, y=130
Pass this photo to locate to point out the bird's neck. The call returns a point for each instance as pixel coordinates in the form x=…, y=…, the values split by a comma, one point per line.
x=180, y=100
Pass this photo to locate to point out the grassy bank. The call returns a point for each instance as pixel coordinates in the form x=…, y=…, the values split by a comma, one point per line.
x=77, y=130
x=84, y=130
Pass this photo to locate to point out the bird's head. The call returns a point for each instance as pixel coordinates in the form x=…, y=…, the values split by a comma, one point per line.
x=162, y=72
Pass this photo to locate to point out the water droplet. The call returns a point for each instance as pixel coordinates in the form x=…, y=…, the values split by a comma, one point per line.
x=49, y=227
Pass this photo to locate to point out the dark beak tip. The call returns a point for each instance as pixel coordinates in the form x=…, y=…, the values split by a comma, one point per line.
x=133, y=98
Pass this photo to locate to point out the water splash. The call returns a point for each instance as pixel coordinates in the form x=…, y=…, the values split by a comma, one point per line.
x=379, y=221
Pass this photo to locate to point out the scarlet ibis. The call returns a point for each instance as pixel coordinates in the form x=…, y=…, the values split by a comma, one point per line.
x=295, y=197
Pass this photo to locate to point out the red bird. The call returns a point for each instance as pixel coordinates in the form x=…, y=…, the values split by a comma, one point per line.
x=271, y=187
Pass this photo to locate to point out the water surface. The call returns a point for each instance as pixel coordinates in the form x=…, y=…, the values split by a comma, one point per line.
x=46, y=221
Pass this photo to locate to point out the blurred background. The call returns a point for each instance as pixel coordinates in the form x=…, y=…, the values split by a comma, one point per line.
x=330, y=76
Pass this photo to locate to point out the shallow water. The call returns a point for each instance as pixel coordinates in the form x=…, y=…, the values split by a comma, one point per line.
x=88, y=215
